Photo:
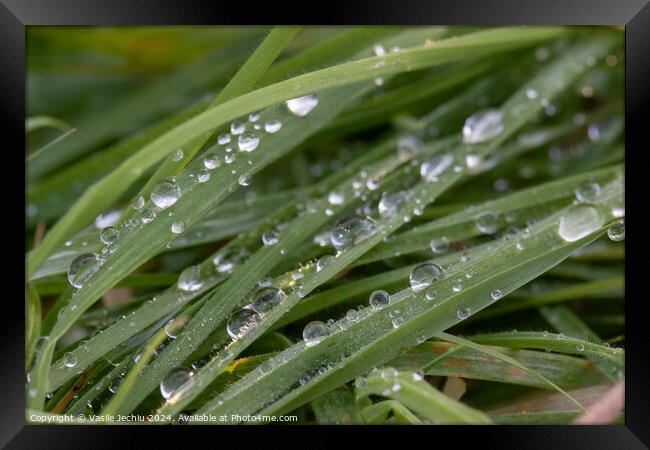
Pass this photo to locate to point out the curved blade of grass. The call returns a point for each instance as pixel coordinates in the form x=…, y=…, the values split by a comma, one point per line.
x=377, y=414
x=425, y=193
x=567, y=372
x=501, y=356
x=421, y=397
x=37, y=122
x=96, y=198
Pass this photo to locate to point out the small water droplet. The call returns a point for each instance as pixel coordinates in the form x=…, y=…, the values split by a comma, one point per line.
x=203, y=176
x=177, y=155
x=496, y=294
x=270, y=237
x=431, y=169
x=463, y=313
x=272, y=126
x=178, y=227
x=190, y=279
x=223, y=139
x=69, y=360
x=580, y=347
x=617, y=231
x=226, y=260
x=315, y=332
x=351, y=231
x=137, y=203
x=302, y=106
x=176, y=383
x=587, y=192
x=424, y=275
x=165, y=194
x=324, y=261
x=439, y=245
x=237, y=128
x=352, y=315
x=390, y=201
x=531, y=94
x=245, y=179
x=265, y=299
x=82, y=268
x=487, y=223
x=109, y=235
x=248, y=142
x=483, y=126
x=379, y=299
x=335, y=198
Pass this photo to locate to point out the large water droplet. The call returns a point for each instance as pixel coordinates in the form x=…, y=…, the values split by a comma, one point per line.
x=137, y=203
x=617, y=231
x=190, y=279
x=302, y=106
x=237, y=128
x=165, y=194
x=245, y=179
x=248, y=142
x=483, y=126
x=424, y=275
x=177, y=155
x=379, y=299
x=82, y=268
x=223, y=139
x=266, y=299
x=315, y=332
x=432, y=168
x=351, y=231
x=241, y=322
x=579, y=221
x=211, y=161
x=176, y=383
x=324, y=261
x=496, y=294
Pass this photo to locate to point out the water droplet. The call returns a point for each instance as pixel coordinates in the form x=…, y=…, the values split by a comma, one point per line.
x=457, y=286
x=463, y=313
x=351, y=231
x=324, y=261
x=617, y=231
x=432, y=168
x=487, y=223
x=203, y=176
x=315, y=332
x=170, y=329
x=579, y=221
x=587, y=192
x=107, y=219
x=418, y=376
x=248, y=142
x=424, y=275
x=397, y=322
x=390, y=201
x=237, y=128
x=407, y=147
x=241, y=322
x=109, y=235
x=270, y=237
x=302, y=106
x=379, y=299
x=439, y=245
x=137, y=203
x=165, y=194
x=229, y=158
x=176, y=383
x=69, y=360
x=272, y=126
x=560, y=337
x=177, y=155
x=335, y=198
x=82, y=268
x=580, y=347
x=178, y=227
x=266, y=299
x=496, y=294
x=223, y=139
x=360, y=382
x=245, y=179
x=190, y=279
x=483, y=126
x=148, y=216
x=352, y=315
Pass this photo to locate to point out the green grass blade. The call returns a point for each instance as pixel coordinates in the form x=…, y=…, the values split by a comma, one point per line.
x=32, y=322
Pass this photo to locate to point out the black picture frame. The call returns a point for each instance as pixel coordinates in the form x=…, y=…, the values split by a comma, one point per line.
x=634, y=15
